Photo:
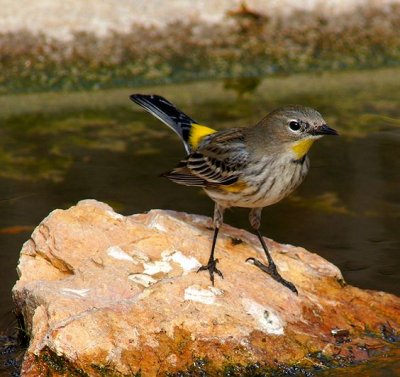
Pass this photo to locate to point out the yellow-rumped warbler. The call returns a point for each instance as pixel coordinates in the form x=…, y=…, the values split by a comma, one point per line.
x=243, y=167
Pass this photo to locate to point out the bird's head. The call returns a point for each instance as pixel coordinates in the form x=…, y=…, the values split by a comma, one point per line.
x=295, y=128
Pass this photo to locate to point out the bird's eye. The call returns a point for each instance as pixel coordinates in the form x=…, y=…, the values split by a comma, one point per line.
x=294, y=126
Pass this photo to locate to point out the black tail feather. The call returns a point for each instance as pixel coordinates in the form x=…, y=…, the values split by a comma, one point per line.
x=168, y=113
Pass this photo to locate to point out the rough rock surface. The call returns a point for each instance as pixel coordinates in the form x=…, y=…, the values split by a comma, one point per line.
x=103, y=294
x=62, y=19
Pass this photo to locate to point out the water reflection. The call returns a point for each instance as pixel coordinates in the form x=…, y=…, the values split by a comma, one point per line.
x=348, y=209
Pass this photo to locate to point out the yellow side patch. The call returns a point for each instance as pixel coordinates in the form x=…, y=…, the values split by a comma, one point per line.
x=300, y=148
x=235, y=187
x=197, y=133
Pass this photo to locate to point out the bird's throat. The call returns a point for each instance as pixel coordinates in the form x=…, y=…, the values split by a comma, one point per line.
x=300, y=148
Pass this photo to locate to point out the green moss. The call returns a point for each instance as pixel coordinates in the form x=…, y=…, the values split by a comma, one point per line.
x=59, y=364
x=202, y=367
x=107, y=371
x=238, y=370
x=244, y=47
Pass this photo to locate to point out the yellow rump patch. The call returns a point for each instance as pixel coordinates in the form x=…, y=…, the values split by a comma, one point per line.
x=235, y=187
x=301, y=147
x=197, y=133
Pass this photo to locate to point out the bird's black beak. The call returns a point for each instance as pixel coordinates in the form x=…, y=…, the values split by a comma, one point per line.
x=323, y=130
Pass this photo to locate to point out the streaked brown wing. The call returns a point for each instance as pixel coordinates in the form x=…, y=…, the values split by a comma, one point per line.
x=184, y=176
x=218, y=161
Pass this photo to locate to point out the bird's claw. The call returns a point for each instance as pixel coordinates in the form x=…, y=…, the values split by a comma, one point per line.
x=273, y=272
x=211, y=266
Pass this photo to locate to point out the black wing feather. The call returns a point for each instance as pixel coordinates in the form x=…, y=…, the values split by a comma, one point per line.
x=168, y=113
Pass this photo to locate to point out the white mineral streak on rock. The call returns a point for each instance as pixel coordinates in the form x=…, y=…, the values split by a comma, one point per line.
x=216, y=291
x=156, y=224
x=187, y=263
x=133, y=335
x=205, y=296
x=151, y=342
x=285, y=248
x=75, y=292
x=181, y=224
x=140, y=256
x=114, y=355
x=267, y=320
x=114, y=215
x=152, y=268
x=117, y=253
x=172, y=359
x=283, y=266
x=315, y=301
x=142, y=279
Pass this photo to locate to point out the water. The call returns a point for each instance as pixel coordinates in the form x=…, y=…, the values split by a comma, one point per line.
x=57, y=149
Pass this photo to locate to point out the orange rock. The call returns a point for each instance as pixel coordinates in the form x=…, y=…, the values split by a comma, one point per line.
x=104, y=293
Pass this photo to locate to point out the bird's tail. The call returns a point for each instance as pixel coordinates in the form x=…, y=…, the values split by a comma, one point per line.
x=188, y=130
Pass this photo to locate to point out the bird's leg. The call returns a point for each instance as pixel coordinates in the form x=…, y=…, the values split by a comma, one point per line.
x=211, y=265
x=255, y=221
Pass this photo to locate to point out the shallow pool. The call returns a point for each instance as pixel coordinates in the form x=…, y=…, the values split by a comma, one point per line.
x=56, y=149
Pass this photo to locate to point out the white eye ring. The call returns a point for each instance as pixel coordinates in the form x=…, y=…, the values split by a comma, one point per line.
x=294, y=126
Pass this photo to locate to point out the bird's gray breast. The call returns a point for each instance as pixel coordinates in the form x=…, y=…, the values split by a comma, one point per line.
x=274, y=178
x=266, y=181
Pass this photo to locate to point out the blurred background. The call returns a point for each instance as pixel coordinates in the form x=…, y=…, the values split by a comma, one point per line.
x=69, y=132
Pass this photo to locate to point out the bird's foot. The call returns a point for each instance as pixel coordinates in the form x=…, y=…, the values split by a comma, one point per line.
x=211, y=266
x=273, y=272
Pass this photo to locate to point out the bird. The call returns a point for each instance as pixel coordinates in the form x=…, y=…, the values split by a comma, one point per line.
x=251, y=167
